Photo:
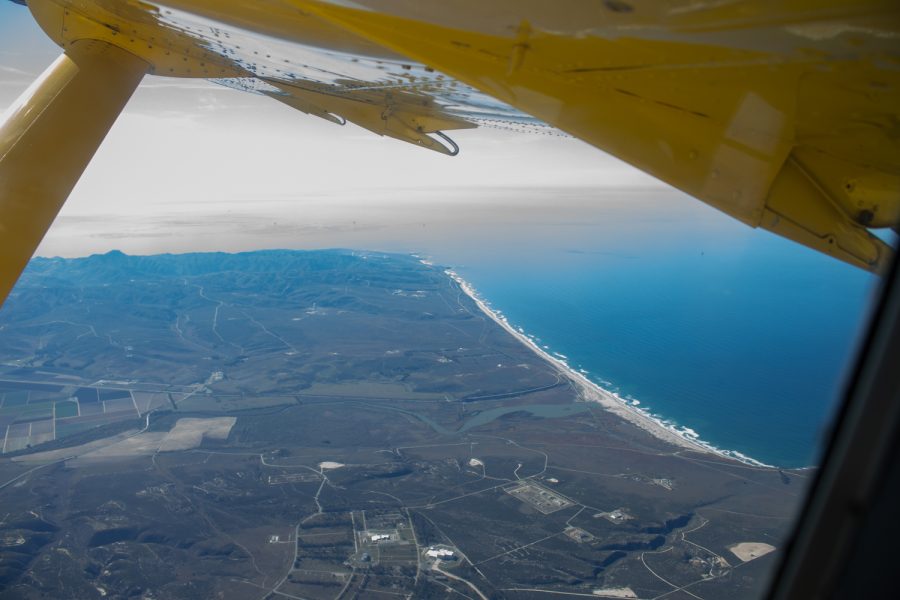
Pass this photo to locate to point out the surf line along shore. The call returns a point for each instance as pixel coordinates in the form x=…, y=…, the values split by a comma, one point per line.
x=591, y=392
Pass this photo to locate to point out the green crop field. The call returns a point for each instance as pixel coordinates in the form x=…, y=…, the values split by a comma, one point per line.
x=66, y=408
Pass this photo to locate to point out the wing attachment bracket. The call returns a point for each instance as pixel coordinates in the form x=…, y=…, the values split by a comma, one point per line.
x=404, y=117
x=454, y=148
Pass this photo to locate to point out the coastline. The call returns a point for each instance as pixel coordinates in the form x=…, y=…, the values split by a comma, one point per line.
x=590, y=391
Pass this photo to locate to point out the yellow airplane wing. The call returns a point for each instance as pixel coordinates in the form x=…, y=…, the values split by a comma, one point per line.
x=782, y=114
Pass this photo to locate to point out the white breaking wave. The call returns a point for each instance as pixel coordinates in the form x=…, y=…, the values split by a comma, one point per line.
x=628, y=408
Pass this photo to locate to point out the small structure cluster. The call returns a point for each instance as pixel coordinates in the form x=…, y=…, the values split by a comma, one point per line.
x=538, y=497
x=441, y=553
x=617, y=516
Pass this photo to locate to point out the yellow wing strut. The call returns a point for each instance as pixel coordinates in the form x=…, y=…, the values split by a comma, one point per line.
x=47, y=138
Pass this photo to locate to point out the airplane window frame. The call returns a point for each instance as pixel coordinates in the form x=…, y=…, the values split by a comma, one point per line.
x=841, y=543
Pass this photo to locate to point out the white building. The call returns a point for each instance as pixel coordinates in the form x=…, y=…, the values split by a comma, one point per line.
x=439, y=553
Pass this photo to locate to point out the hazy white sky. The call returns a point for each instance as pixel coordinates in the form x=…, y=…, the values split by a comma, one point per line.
x=185, y=150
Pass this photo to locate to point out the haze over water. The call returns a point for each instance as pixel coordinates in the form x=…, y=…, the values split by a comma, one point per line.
x=734, y=333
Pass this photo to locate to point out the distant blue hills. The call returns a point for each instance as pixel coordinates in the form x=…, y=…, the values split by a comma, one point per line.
x=97, y=267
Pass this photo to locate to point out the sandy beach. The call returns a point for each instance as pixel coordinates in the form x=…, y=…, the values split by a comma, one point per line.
x=591, y=392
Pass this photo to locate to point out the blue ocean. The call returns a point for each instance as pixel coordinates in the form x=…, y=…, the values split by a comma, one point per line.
x=735, y=333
